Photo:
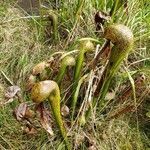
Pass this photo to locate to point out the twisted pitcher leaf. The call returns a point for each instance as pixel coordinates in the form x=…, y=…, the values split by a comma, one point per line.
x=49, y=89
x=122, y=38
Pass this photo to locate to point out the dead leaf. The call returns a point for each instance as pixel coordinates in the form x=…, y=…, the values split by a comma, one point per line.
x=65, y=111
x=121, y=111
x=50, y=61
x=127, y=91
x=7, y=102
x=46, y=125
x=39, y=68
x=90, y=139
x=12, y=91
x=100, y=18
x=29, y=130
x=30, y=82
x=44, y=119
x=20, y=111
x=29, y=113
x=104, y=52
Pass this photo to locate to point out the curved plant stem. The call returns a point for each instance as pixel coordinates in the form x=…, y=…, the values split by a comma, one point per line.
x=122, y=38
x=66, y=61
x=53, y=17
x=79, y=64
x=55, y=106
x=49, y=89
x=61, y=74
x=85, y=46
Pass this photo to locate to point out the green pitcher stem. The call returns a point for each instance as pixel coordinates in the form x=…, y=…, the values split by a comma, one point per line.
x=49, y=89
x=75, y=96
x=122, y=38
x=79, y=64
x=54, y=20
x=76, y=84
x=109, y=75
x=54, y=100
x=61, y=74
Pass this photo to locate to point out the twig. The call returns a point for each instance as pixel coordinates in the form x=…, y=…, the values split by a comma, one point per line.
x=6, y=78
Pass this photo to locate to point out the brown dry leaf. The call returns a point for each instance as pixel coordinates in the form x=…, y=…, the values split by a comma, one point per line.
x=121, y=111
x=29, y=113
x=44, y=119
x=65, y=111
x=39, y=68
x=90, y=139
x=30, y=130
x=46, y=126
x=104, y=53
x=7, y=102
x=127, y=91
x=100, y=18
x=30, y=82
x=12, y=91
x=20, y=111
x=50, y=62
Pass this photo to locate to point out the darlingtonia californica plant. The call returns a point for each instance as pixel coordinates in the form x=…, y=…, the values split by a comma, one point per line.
x=122, y=38
x=65, y=62
x=84, y=47
x=49, y=89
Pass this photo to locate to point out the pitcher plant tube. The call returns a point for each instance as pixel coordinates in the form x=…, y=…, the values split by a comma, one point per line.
x=65, y=62
x=49, y=89
x=84, y=47
x=122, y=38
